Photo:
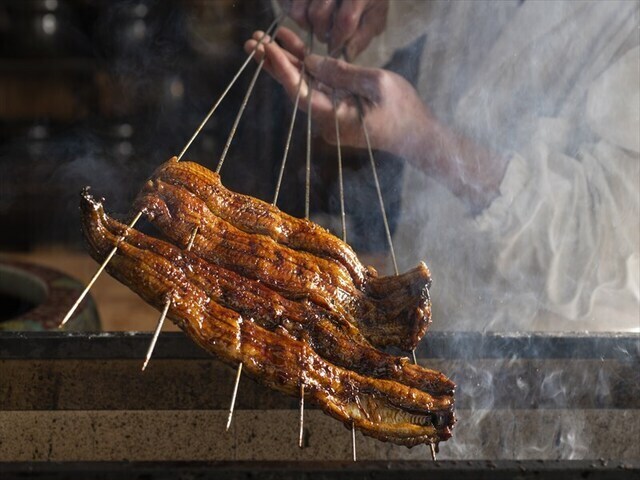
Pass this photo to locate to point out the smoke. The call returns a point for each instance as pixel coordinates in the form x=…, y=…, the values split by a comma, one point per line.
x=554, y=251
x=551, y=252
x=89, y=161
x=542, y=396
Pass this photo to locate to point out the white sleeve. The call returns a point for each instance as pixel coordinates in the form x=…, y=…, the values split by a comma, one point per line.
x=573, y=221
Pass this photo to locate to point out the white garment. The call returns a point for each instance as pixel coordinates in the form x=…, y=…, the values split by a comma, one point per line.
x=554, y=86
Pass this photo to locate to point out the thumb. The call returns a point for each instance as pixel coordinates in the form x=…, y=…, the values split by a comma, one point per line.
x=345, y=76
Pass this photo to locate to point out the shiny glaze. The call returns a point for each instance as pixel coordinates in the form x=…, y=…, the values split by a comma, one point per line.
x=262, y=243
x=277, y=340
x=255, y=216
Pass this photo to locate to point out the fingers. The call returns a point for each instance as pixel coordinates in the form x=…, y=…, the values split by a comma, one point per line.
x=340, y=23
x=339, y=74
x=291, y=42
x=298, y=12
x=321, y=18
x=285, y=68
x=250, y=45
x=347, y=20
x=372, y=24
x=284, y=64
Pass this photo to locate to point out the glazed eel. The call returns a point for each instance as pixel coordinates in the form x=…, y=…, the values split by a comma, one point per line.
x=293, y=256
x=283, y=339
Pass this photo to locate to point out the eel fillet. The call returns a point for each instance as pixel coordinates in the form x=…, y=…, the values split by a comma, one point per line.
x=247, y=292
x=295, y=257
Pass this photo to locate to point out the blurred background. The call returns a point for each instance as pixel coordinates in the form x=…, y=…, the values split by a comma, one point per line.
x=99, y=93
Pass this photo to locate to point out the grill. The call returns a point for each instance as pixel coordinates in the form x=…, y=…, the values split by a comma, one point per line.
x=529, y=406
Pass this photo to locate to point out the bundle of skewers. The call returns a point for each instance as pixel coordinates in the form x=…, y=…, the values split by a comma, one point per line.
x=277, y=297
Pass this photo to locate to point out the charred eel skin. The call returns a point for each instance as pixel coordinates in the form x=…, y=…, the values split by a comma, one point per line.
x=282, y=342
x=295, y=257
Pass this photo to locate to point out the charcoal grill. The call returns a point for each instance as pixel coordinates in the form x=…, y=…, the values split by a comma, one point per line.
x=529, y=406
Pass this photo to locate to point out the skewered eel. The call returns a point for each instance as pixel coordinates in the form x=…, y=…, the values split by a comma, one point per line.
x=285, y=298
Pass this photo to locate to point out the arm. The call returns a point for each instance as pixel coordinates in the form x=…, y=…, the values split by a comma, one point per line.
x=396, y=118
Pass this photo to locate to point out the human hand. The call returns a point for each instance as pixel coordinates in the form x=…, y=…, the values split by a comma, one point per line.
x=346, y=24
x=395, y=117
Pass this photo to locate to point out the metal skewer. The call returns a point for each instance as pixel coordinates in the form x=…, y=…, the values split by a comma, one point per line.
x=307, y=188
x=165, y=310
x=275, y=200
x=433, y=451
x=379, y=192
x=340, y=179
x=301, y=434
x=307, y=199
x=156, y=333
x=353, y=441
x=102, y=266
x=307, y=176
x=377, y=182
x=98, y=272
x=344, y=225
x=233, y=397
x=289, y=135
x=380, y=200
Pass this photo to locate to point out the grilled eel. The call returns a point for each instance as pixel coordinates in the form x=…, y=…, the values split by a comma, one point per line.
x=300, y=284
x=295, y=257
x=279, y=341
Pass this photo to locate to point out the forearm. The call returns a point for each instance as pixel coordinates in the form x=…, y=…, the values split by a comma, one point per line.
x=471, y=171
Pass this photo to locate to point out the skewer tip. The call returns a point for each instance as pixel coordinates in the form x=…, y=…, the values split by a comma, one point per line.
x=301, y=434
x=233, y=397
x=433, y=451
x=353, y=441
x=98, y=273
x=156, y=333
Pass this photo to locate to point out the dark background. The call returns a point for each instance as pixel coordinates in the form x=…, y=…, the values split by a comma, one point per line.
x=101, y=92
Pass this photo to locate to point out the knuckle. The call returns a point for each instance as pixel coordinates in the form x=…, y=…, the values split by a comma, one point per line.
x=348, y=20
x=342, y=71
x=341, y=67
x=320, y=13
x=377, y=82
x=379, y=78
